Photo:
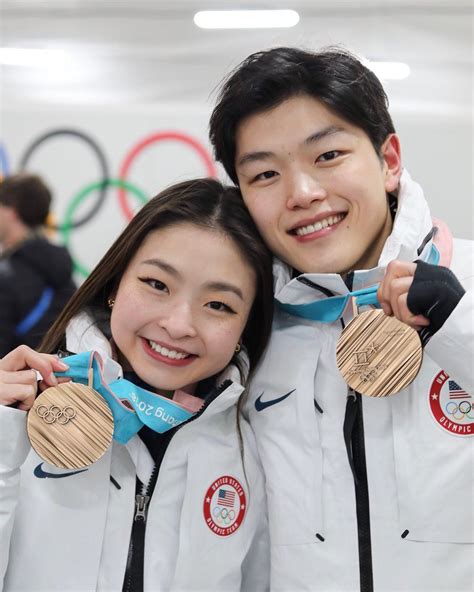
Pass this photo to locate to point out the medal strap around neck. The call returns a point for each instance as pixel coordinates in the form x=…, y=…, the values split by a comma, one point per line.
x=142, y=407
x=331, y=309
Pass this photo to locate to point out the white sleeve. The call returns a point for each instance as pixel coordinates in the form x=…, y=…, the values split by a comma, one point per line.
x=14, y=448
x=452, y=347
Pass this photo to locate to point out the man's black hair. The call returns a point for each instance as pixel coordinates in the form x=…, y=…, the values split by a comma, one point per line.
x=265, y=79
x=29, y=196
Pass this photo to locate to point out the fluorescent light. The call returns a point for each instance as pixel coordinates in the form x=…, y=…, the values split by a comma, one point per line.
x=16, y=56
x=389, y=70
x=246, y=19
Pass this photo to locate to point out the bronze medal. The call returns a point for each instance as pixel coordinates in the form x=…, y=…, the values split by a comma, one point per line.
x=378, y=355
x=70, y=425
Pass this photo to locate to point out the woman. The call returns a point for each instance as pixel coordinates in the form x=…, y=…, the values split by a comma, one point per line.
x=181, y=306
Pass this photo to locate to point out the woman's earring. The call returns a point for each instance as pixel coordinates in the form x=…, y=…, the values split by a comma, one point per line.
x=110, y=302
x=237, y=348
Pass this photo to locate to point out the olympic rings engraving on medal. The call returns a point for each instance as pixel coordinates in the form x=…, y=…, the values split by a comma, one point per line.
x=104, y=168
x=54, y=413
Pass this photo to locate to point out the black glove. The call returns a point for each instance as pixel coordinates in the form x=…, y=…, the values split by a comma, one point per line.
x=434, y=293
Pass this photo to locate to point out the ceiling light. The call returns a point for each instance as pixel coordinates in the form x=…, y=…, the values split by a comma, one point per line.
x=246, y=19
x=16, y=56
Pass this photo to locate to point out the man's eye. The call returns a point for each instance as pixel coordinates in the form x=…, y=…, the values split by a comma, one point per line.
x=265, y=175
x=220, y=306
x=331, y=155
x=155, y=284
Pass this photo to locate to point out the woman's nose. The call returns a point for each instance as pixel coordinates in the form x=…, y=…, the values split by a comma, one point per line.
x=178, y=321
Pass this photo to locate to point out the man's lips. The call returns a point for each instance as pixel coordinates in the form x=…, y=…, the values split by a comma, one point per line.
x=317, y=224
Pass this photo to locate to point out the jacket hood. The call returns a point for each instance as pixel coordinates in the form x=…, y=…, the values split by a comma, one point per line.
x=52, y=261
x=411, y=226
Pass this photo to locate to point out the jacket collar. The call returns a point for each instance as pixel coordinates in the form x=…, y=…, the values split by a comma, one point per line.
x=411, y=226
x=82, y=334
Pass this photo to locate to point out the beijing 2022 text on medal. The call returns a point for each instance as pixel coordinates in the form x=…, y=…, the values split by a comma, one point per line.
x=70, y=425
x=378, y=355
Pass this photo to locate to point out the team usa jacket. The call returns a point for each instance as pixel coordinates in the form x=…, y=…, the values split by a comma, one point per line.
x=70, y=530
x=368, y=493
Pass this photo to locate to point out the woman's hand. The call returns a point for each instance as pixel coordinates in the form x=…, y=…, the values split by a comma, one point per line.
x=18, y=378
x=393, y=293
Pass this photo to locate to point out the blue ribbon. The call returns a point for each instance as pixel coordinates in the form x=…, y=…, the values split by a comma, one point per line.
x=331, y=309
x=157, y=412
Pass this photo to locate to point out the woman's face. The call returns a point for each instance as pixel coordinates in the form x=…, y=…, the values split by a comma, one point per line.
x=182, y=305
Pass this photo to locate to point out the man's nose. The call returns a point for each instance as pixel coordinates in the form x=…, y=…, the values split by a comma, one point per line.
x=178, y=321
x=303, y=189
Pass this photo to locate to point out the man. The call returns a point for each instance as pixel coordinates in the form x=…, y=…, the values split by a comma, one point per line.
x=35, y=275
x=363, y=493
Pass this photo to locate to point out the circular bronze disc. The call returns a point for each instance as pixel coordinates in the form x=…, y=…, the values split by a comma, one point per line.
x=70, y=425
x=378, y=355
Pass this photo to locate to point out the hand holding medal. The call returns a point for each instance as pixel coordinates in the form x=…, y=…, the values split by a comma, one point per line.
x=379, y=354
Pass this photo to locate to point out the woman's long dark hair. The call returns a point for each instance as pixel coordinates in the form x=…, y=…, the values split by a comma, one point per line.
x=207, y=203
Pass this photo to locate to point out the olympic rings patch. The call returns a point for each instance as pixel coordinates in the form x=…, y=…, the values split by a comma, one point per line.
x=451, y=406
x=225, y=504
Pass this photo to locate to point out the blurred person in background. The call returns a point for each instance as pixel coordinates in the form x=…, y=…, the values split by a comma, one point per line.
x=35, y=274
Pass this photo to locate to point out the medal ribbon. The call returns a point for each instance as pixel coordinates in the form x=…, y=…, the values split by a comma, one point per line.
x=155, y=411
x=331, y=309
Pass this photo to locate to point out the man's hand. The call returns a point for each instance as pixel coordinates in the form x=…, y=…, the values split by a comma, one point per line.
x=420, y=294
x=393, y=294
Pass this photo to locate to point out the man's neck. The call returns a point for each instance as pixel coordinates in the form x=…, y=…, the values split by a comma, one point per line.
x=15, y=237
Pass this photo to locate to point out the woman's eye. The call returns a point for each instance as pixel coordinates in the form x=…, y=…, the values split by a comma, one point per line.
x=330, y=155
x=155, y=284
x=220, y=306
x=265, y=175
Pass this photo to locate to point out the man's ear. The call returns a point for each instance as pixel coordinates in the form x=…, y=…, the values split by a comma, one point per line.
x=392, y=162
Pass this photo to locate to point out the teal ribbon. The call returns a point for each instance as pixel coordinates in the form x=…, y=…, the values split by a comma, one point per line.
x=157, y=412
x=331, y=309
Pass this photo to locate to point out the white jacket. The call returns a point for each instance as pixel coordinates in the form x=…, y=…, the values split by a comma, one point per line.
x=419, y=461
x=72, y=533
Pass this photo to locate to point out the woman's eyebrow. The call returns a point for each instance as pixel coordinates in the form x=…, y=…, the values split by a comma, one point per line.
x=162, y=265
x=224, y=287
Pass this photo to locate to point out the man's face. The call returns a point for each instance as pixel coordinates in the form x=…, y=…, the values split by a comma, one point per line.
x=315, y=186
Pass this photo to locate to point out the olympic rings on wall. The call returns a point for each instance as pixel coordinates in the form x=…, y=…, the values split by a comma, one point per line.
x=154, y=139
x=104, y=169
x=79, y=198
x=104, y=180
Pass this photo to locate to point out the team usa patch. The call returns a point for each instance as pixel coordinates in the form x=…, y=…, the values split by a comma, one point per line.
x=451, y=406
x=225, y=505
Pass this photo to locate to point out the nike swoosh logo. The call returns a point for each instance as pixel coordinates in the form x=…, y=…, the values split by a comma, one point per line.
x=38, y=472
x=261, y=405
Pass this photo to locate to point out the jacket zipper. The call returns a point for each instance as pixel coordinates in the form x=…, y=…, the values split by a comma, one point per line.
x=133, y=579
x=355, y=446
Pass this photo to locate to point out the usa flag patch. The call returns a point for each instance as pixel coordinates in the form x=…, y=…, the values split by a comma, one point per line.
x=451, y=406
x=225, y=505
